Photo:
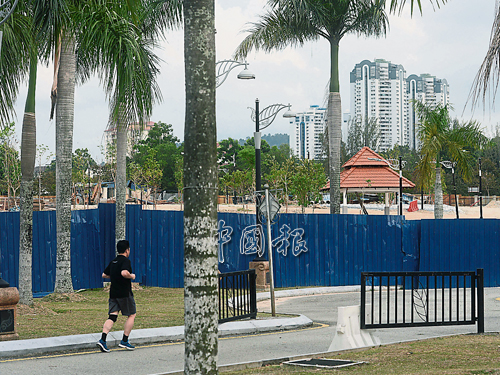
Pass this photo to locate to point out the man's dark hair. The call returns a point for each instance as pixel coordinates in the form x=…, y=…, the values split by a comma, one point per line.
x=122, y=246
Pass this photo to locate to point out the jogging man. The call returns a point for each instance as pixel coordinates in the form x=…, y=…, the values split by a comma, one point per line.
x=121, y=297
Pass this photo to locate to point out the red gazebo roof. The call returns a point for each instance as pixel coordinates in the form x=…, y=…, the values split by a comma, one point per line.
x=361, y=173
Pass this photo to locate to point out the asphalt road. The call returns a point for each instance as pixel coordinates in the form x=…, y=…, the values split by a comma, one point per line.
x=322, y=309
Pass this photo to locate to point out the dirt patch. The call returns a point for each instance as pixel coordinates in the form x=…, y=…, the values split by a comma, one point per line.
x=64, y=297
x=37, y=309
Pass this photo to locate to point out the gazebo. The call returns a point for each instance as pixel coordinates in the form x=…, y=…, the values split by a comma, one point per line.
x=363, y=174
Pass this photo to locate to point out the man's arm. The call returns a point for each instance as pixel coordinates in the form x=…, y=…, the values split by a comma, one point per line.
x=126, y=274
x=104, y=276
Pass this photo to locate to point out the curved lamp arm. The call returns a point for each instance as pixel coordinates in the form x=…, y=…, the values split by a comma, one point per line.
x=393, y=163
x=449, y=164
x=225, y=66
x=268, y=114
x=6, y=9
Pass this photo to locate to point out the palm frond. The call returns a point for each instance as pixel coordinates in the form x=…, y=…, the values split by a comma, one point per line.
x=397, y=6
x=366, y=18
x=114, y=48
x=277, y=30
x=50, y=18
x=161, y=15
x=17, y=42
x=294, y=22
x=487, y=78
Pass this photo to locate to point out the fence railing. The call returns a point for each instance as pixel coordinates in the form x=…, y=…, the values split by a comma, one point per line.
x=411, y=299
x=237, y=296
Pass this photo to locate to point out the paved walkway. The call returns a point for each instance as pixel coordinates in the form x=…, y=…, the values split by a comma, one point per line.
x=156, y=335
x=238, y=347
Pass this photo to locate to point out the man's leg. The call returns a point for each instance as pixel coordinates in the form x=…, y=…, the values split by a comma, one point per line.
x=129, y=324
x=108, y=324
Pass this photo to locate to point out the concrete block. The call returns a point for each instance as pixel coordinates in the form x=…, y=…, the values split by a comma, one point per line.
x=348, y=334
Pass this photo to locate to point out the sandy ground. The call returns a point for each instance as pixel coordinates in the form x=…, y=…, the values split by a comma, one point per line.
x=492, y=210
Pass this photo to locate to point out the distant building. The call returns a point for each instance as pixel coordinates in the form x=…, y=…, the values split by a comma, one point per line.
x=346, y=118
x=378, y=90
x=306, y=131
x=381, y=90
x=135, y=134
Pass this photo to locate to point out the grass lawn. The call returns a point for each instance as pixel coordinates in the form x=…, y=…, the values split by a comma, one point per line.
x=86, y=311
x=467, y=354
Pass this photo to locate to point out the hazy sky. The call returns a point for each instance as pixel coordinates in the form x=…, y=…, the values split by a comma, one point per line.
x=449, y=43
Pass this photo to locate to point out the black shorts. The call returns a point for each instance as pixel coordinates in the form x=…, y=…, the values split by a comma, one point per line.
x=125, y=305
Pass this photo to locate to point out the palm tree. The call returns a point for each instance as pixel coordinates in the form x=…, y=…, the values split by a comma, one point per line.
x=120, y=52
x=436, y=134
x=294, y=22
x=55, y=27
x=65, y=111
x=200, y=190
x=19, y=57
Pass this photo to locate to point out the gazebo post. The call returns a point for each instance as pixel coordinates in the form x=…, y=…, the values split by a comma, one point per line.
x=387, y=208
x=344, y=205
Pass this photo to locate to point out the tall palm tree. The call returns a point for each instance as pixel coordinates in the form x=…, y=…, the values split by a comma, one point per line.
x=121, y=54
x=200, y=190
x=20, y=56
x=294, y=22
x=436, y=134
x=54, y=23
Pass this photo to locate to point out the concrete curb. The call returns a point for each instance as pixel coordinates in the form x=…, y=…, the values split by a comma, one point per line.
x=309, y=291
x=17, y=348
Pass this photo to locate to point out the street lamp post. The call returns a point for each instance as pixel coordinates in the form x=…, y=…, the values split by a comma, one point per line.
x=480, y=192
x=396, y=165
x=266, y=116
x=223, y=68
x=451, y=165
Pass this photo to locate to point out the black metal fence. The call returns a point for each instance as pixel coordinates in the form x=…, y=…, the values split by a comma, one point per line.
x=411, y=299
x=237, y=296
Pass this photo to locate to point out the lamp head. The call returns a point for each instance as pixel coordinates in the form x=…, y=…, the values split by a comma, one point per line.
x=289, y=113
x=246, y=74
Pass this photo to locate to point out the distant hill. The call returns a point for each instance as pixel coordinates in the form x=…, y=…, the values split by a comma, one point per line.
x=273, y=139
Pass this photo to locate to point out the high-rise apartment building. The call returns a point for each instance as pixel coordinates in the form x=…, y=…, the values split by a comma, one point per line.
x=381, y=90
x=378, y=90
x=306, y=131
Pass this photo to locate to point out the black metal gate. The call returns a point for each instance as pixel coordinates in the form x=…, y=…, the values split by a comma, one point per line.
x=411, y=299
x=237, y=296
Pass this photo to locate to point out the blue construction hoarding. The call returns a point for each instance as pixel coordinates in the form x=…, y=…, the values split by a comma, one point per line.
x=308, y=249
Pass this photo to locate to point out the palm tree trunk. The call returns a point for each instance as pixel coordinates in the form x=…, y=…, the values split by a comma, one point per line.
x=200, y=185
x=334, y=135
x=65, y=110
x=28, y=151
x=438, y=192
x=334, y=122
x=121, y=177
